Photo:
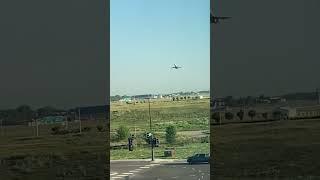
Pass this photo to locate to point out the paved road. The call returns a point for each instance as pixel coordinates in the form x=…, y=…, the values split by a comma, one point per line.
x=137, y=170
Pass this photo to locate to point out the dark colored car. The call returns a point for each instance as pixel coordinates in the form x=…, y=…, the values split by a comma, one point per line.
x=199, y=158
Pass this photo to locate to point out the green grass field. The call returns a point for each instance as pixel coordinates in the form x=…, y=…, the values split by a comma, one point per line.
x=190, y=117
x=25, y=156
x=267, y=149
x=185, y=115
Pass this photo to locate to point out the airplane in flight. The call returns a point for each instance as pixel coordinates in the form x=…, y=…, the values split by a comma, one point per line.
x=216, y=19
x=176, y=67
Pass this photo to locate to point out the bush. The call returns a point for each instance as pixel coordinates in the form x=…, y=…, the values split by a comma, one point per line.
x=86, y=129
x=55, y=129
x=122, y=133
x=99, y=128
x=252, y=114
x=216, y=116
x=265, y=115
x=229, y=116
x=62, y=132
x=240, y=114
x=171, y=134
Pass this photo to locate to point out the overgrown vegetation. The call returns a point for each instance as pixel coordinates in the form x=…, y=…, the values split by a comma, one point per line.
x=122, y=133
x=263, y=150
x=171, y=134
x=64, y=156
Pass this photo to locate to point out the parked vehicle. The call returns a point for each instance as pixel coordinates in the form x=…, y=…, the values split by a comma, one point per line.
x=198, y=158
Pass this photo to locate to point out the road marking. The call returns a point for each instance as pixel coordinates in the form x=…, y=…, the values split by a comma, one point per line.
x=145, y=167
x=134, y=171
x=112, y=174
x=127, y=173
x=122, y=175
x=138, y=169
x=116, y=177
x=154, y=165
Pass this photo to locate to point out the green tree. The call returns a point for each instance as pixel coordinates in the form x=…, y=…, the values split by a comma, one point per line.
x=229, y=115
x=99, y=128
x=215, y=116
x=171, y=134
x=23, y=114
x=122, y=133
x=240, y=114
x=265, y=115
x=252, y=114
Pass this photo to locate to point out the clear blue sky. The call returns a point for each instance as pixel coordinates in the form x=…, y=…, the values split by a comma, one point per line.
x=149, y=36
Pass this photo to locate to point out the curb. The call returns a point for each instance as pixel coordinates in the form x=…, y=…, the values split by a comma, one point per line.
x=149, y=160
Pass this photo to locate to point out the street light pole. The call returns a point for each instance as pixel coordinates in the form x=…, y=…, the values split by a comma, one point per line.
x=152, y=153
x=79, y=121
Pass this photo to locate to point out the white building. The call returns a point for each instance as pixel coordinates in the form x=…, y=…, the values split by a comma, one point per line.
x=300, y=112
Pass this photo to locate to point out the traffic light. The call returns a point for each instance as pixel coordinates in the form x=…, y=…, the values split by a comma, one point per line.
x=149, y=138
x=130, y=144
x=149, y=135
x=155, y=142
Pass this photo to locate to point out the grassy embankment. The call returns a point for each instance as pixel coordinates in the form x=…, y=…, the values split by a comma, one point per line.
x=267, y=149
x=25, y=156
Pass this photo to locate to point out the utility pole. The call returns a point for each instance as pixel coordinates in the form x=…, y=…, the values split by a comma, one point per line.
x=152, y=153
x=79, y=120
x=66, y=123
x=37, y=127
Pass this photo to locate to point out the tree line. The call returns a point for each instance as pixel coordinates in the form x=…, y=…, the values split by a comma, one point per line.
x=24, y=114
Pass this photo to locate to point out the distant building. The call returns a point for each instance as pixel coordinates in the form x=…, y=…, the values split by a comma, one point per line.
x=218, y=104
x=276, y=99
x=48, y=120
x=298, y=112
x=93, y=112
x=308, y=111
x=127, y=99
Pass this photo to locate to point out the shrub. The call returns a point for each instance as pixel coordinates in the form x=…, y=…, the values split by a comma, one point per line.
x=171, y=134
x=265, y=115
x=229, y=115
x=55, y=129
x=252, y=113
x=122, y=133
x=100, y=128
x=240, y=114
x=86, y=129
x=216, y=116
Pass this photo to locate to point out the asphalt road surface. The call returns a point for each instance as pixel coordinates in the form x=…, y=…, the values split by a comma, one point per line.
x=144, y=170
